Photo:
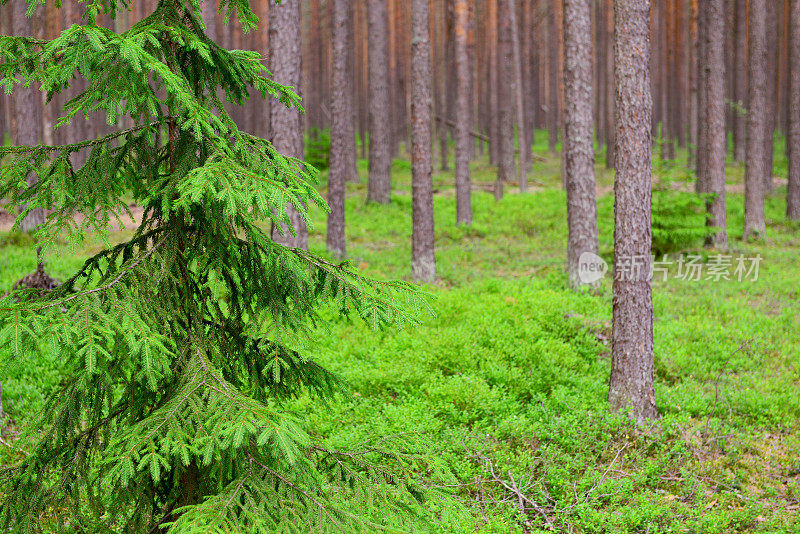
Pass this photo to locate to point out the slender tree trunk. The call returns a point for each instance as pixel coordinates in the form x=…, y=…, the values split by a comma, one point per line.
x=611, y=129
x=771, y=68
x=342, y=152
x=463, y=110
x=740, y=82
x=522, y=134
x=793, y=138
x=494, y=68
x=632, y=364
x=27, y=113
x=578, y=135
x=287, y=124
x=553, y=112
x=505, y=69
x=702, y=98
x=694, y=109
x=423, y=260
x=715, y=122
x=756, y=172
x=380, y=149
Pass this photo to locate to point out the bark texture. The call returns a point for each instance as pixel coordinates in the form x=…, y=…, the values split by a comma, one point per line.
x=27, y=112
x=632, y=366
x=342, y=152
x=423, y=261
x=287, y=124
x=380, y=143
x=463, y=113
x=756, y=170
x=579, y=135
x=522, y=134
x=716, y=135
x=740, y=82
x=505, y=60
x=793, y=190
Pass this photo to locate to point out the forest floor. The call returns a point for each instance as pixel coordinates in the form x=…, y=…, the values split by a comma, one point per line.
x=508, y=380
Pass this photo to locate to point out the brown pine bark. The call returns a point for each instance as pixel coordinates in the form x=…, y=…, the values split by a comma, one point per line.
x=702, y=99
x=423, y=261
x=772, y=92
x=693, y=83
x=380, y=150
x=793, y=136
x=494, y=114
x=505, y=70
x=553, y=56
x=611, y=130
x=463, y=111
x=522, y=134
x=740, y=82
x=285, y=56
x=578, y=136
x=343, y=149
x=715, y=122
x=756, y=173
x=27, y=112
x=632, y=365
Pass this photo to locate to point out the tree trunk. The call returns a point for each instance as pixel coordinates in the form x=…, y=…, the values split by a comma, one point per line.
x=463, y=110
x=380, y=149
x=494, y=69
x=423, y=261
x=27, y=114
x=756, y=171
x=505, y=70
x=771, y=67
x=702, y=98
x=793, y=140
x=342, y=151
x=694, y=109
x=553, y=115
x=715, y=121
x=285, y=58
x=522, y=134
x=578, y=135
x=632, y=365
x=740, y=83
x=611, y=129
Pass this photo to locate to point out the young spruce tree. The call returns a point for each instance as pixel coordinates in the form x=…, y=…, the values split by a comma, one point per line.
x=180, y=344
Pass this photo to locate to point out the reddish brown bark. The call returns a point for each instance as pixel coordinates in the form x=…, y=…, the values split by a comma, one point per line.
x=632, y=366
x=756, y=173
x=578, y=136
x=423, y=260
x=380, y=150
x=463, y=111
x=287, y=124
x=715, y=122
x=793, y=139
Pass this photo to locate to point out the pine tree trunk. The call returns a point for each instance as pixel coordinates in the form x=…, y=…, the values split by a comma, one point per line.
x=505, y=70
x=342, y=152
x=793, y=140
x=694, y=109
x=771, y=68
x=423, y=261
x=522, y=134
x=287, y=124
x=380, y=150
x=463, y=110
x=611, y=129
x=553, y=118
x=578, y=135
x=27, y=113
x=494, y=114
x=632, y=366
x=757, y=126
x=740, y=82
x=715, y=121
x=702, y=98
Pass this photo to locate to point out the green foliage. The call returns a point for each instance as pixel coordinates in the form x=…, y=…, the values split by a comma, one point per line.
x=318, y=148
x=678, y=219
x=181, y=346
